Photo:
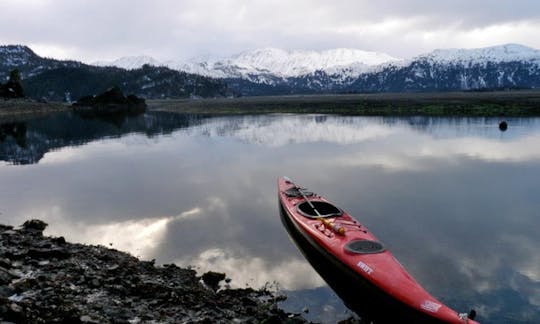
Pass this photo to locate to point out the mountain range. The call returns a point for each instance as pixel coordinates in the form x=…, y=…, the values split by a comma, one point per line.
x=66, y=80
x=268, y=61
x=271, y=71
x=276, y=71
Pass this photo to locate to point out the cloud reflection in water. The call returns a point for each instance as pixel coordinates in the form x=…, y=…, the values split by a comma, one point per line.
x=454, y=199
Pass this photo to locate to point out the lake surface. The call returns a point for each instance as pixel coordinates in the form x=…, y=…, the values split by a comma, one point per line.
x=455, y=199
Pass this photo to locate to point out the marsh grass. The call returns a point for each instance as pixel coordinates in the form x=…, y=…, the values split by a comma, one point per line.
x=489, y=104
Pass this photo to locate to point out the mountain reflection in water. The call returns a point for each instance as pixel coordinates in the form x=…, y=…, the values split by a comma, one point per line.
x=454, y=199
x=27, y=142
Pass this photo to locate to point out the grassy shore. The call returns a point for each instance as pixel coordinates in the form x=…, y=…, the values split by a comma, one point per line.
x=21, y=109
x=504, y=103
x=488, y=104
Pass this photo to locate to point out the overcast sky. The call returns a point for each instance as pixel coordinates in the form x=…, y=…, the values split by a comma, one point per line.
x=92, y=30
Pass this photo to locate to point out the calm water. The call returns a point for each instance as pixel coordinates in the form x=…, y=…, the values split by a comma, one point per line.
x=455, y=199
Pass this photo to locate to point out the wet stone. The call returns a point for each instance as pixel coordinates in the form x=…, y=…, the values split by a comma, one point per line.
x=48, y=253
x=212, y=279
x=5, y=263
x=6, y=291
x=87, y=319
x=94, y=283
x=59, y=240
x=35, y=224
x=5, y=276
x=5, y=227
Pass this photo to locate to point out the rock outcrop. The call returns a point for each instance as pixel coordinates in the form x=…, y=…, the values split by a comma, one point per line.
x=111, y=101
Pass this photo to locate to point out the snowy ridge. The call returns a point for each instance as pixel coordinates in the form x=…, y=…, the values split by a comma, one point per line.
x=343, y=65
x=296, y=63
x=130, y=62
x=495, y=54
x=270, y=62
x=275, y=71
x=15, y=50
x=15, y=55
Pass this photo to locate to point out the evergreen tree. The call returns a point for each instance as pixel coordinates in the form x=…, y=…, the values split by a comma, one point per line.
x=15, y=76
x=13, y=88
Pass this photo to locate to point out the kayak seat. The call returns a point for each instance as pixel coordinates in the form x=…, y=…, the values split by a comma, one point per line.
x=324, y=208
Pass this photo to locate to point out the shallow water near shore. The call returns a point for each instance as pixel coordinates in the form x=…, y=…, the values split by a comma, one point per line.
x=455, y=199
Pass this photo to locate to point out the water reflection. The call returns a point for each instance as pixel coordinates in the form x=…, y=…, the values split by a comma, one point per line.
x=27, y=142
x=454, y=199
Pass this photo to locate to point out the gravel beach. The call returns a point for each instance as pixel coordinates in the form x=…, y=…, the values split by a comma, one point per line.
x=48, y=280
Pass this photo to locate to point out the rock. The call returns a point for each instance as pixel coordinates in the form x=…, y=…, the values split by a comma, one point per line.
x=15, y=308
x=25, y=284
x=212, y=279
x=109, y=102
x=5, y=227
x=14, y=313
x=6, y=291
x=48, y=253
x=5, y=276
x=94, y=283
x=87, y=319
x=59, y=240
x=35, y=224
x=16, y=273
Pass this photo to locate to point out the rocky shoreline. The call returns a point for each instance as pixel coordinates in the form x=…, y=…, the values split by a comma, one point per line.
x=48, y=280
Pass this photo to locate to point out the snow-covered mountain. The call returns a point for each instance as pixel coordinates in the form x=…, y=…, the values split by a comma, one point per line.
x=272, y=71
x=494, y=54
x=277, y=71
x=27, y=62
x=495, y=67
x=270, y=63
x=285, y=64
x=130, y=62
x=57, y=80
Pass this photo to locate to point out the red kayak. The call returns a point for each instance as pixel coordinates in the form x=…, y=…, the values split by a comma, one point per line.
x=367, y=273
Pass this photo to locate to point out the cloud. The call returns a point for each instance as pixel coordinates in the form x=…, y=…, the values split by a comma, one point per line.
x=167, y=29
x=139, y=237
x=291, y=274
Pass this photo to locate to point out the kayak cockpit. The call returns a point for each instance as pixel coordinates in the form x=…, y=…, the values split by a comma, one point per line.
x=324, y=208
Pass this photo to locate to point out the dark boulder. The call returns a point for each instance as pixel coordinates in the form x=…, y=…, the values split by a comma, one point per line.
x=34, y=225
x=212, y=279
